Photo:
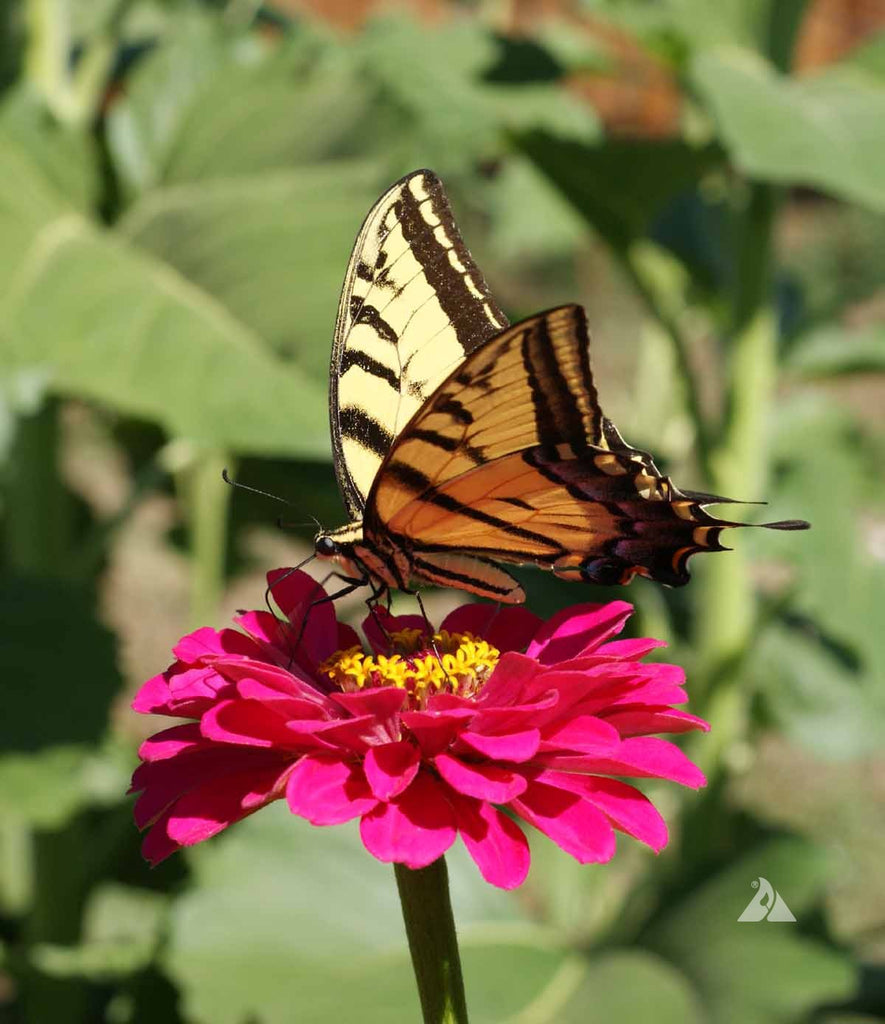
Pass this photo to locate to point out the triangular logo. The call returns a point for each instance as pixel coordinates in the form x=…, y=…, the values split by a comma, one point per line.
x=766, y=905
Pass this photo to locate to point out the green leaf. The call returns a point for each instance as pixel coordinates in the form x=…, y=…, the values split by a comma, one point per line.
x=762, y=972
x=630, y=986
x=122, y=929
x=65, y=158
x=834, y=351
x=291, y=922
x=29, y=200
x=271, y=247
x=112, y=324
x=832, y=702
x=822, y=131
x=206, y=105
x=647, y=175
x=431, y=82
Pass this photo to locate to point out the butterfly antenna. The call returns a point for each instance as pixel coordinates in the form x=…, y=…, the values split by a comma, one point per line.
x=228, y=479
x=283, y=524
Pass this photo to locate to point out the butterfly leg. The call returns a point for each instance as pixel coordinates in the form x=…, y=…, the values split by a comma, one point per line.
x=352, y=583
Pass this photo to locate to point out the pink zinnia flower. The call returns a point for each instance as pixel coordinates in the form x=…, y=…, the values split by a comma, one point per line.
x=423, y=739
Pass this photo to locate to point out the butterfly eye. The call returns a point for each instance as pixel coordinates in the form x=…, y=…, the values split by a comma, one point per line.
x=325, y=547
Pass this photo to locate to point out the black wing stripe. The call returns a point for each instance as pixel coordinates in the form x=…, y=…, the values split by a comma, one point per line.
x=358, y=425
x=356, y=357
x=462, y=578
x=468, y=314
x=557, y=414
x=415, y=480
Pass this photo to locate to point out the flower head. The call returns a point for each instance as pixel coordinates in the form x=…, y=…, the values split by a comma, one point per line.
x=423, y=738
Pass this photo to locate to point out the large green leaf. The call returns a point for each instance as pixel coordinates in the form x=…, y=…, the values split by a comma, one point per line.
x=823, y=131
x=66, y=158
x=618, y=187
x=760, y=972
x=208, y=104
x=823, y=676
x=288, y=922
x=29, y=198
x=272, y=247
x=431, y=83
x=110, y=323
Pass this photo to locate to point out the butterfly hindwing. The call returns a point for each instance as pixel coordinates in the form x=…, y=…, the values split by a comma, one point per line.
x=512, y=459
x=413, y=304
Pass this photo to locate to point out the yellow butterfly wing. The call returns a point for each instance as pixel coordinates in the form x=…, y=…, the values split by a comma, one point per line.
x=413, y=304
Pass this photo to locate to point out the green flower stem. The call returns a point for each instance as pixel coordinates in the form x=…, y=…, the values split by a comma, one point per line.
x=430, y=927
x=208, y=499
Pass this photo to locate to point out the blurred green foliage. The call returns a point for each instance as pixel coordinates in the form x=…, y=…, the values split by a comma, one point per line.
x=180, y=185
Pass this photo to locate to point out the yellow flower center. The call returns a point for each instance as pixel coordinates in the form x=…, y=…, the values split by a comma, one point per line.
x=457, y=663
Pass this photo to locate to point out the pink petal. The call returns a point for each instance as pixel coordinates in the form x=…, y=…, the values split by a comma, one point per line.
x=578, y=630
x=435, y=730
x=495, y=842
x=514, y=746
x=205, y=811
x=639, y=756
x=584, y=734
x=294, y=591
x=209, y=643
x=157, y=845
x=482, y=781
x=390, y=768
x=163, y=782
x=572, y=823
x=379, y=624
x=516, y=717
x=281, y=703
x=628, y=810
x=293, y=681
x=642, y=721
x=328, y=790
x=347, y=637
x=415, y=829
x=171, y=742
x=381, y=701
x=263, y=626
x=300, y=598
x=355, y=734
x=629, y=650
x=250, y=723
x=152, y=697
x=507, y=685
x=192, y=690
x=507, y=627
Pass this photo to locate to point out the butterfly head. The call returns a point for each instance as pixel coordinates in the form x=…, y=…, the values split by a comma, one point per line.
x=325, y=546
x=339, y=545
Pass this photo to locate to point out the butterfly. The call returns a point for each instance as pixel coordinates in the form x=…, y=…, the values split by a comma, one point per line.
x=461, y=441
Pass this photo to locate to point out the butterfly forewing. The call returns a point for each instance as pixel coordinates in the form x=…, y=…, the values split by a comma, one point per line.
x=413, y=304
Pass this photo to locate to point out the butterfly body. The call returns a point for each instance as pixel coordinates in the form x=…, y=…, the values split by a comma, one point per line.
x=462, y=441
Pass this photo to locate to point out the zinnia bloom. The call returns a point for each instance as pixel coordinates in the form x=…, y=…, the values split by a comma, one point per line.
x=424, y=738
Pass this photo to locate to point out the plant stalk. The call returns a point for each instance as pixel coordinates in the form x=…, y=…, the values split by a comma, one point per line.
x=208, y=499
x=430, y=927
x=739, y=465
